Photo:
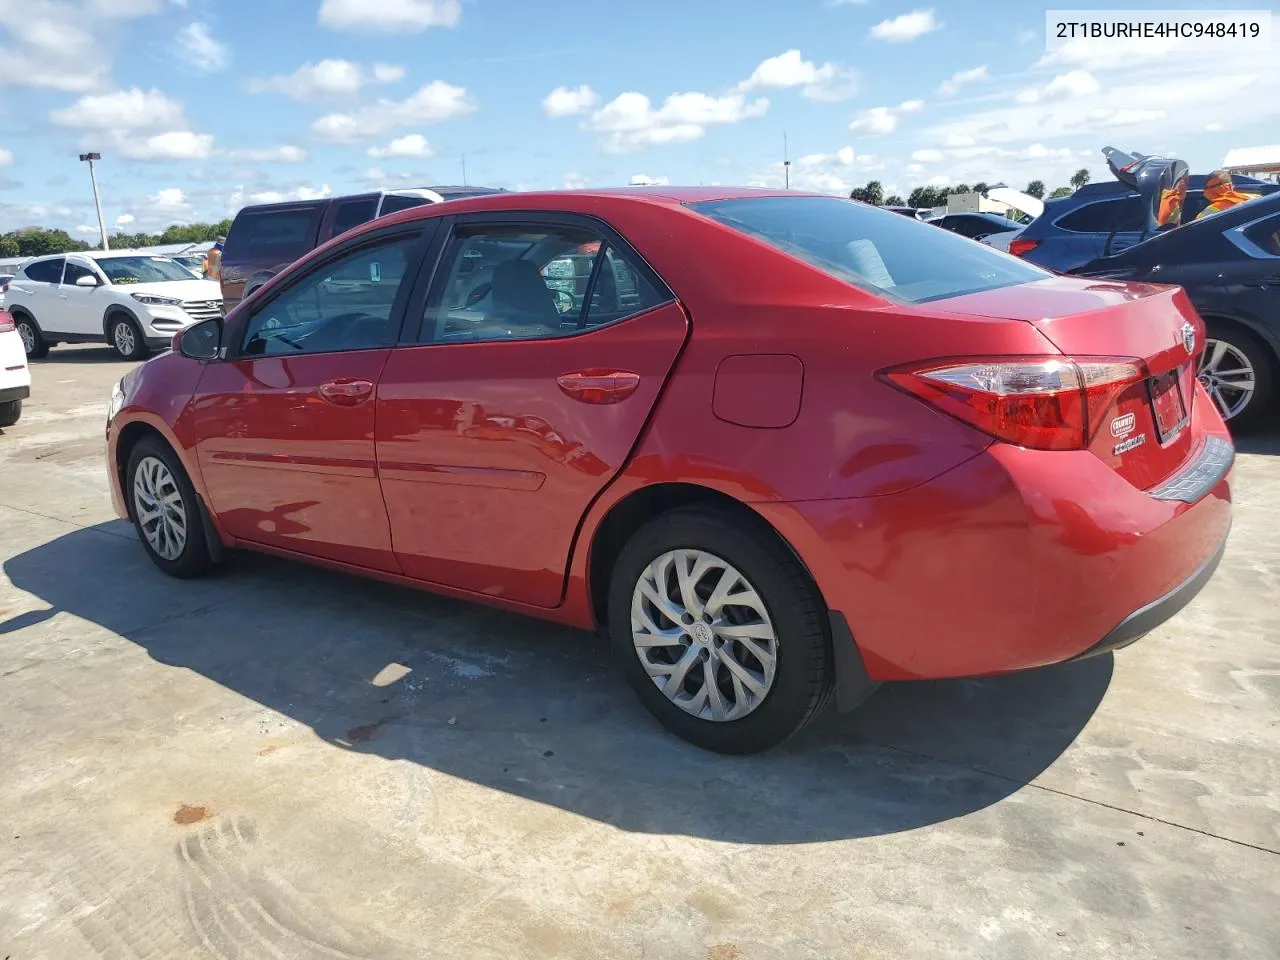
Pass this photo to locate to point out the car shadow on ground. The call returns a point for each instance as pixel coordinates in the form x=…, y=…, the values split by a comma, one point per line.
x=1259, y=442
x=89, y=353
x=536, y=710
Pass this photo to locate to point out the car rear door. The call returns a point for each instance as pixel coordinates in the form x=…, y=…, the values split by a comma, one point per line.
x=285, y=425
x=543, y=348
x=346, y=213
x=36, y=288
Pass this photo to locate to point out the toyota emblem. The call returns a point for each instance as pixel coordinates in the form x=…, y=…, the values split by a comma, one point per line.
x=1189, y=337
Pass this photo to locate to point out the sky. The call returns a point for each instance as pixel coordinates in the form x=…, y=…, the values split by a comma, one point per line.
x=201, y=106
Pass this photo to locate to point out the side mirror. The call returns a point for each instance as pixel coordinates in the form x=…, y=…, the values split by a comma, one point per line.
x=88, y=281
x=201, y=341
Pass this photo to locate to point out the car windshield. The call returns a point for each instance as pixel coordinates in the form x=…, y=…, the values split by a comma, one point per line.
x=125, y=270
x=878, y=251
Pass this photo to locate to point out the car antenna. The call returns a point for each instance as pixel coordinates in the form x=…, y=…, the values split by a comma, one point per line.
x=786, y=162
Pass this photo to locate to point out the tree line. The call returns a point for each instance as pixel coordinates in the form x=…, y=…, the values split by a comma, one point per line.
x=38, y=241
x=923, y=197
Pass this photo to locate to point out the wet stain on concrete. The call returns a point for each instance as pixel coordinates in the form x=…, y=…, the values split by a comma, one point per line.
x=366, y=732
x=188, y=814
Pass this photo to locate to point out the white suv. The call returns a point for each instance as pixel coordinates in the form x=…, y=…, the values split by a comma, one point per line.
x=15, y=377
x=133, y=301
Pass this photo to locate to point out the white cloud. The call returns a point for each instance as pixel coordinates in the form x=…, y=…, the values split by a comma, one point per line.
x=284, y=153
x=432, y=103
x=566, y=102
x=199, y=48
x=6, y=157
x=846, y=156
x=413, y=145
x=643, y=180
x=958, y=140
x=389, y=16
x=875, y=122
x=911, y=106
x=962, y=78
x=133, y=109
x=1076, y=83
x=239, y=197
x=908, y=26
x=58, y=46
x=388, y=73
x=574, y=181
x=927, y=156
x=124, y=219
x=632, y=123
x=915, y=168
x=86, y=230
x=173, y=145
x=327, y=79
x=941, y=180
x=1213, y=128
x=789, y=69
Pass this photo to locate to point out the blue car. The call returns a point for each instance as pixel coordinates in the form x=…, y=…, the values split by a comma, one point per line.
x=1101, y=219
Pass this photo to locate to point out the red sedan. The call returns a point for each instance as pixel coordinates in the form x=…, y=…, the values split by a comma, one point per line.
x=778, y=446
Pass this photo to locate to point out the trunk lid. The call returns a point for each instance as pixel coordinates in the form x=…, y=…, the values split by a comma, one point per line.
x=1145, y=434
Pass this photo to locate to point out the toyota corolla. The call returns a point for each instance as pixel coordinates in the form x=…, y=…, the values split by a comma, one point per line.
x=776, y=446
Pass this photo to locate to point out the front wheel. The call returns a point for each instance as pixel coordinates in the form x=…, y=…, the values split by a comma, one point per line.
x=10, y=413
x=33, y=341
x=1235, y=371
x=127, y=339
x=720, y=631
x=166, y=511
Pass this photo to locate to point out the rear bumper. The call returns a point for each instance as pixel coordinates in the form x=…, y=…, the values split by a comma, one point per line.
x=1013, y=560
x=1142, y=621
x=14, y=393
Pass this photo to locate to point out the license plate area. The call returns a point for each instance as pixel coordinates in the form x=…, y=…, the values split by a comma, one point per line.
x=1168, y=405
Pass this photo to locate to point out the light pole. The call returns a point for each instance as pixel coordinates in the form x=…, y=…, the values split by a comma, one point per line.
x=786, y=162
x=97, y=203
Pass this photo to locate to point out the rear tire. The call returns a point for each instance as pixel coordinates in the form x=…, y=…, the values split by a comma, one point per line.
x=126, y=339
x=166, y=511
x=33, y=341
x=10, y=412
x=718, y=652
x=1240, y=351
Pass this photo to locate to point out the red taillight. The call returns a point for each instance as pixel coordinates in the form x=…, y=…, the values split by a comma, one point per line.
x=1020, y=248
x=1047, y=403
x=6, y=322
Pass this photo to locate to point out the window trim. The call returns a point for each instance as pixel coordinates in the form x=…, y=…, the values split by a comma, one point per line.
x=603, y=232
x=419, y=232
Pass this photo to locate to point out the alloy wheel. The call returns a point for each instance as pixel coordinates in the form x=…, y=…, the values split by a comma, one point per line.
x=157, y=503
x=124, y=339
x=28, y=336
x=703, y=634
x=1227, y=376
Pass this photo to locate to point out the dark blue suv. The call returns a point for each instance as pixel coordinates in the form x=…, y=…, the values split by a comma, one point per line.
x=1101, y=219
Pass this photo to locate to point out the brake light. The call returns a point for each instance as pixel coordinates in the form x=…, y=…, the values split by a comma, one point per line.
x=1047, y=403
x=6, y=322
x=1020, y=248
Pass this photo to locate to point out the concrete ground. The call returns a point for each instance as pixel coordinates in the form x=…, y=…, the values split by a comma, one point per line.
x=281, y=762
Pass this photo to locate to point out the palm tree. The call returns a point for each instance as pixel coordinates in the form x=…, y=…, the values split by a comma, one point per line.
x=1035, y=189
x=1079, y=178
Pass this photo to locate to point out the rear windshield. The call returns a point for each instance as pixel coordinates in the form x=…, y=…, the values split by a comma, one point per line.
x=895, y=257
x=276, y=231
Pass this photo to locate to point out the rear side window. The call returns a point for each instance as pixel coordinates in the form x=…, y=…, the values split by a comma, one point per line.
x=1121, y=215
x=352, y=213
x=870, y=248
x=394, y=204
x=46, y=271
x=277, y=232
x=1265, y=235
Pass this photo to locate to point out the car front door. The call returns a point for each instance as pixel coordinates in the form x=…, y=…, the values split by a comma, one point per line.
x=285, y=425
x=542, y=350
x=80, y=309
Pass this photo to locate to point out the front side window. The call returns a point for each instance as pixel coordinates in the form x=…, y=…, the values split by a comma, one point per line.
x=128, y=270
x=872, y=249
x=45, y=271
x=344, y=305
x=75, y=271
